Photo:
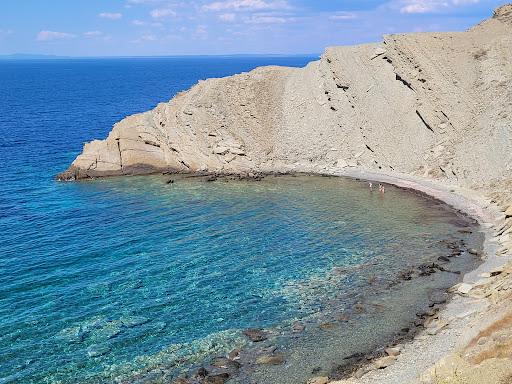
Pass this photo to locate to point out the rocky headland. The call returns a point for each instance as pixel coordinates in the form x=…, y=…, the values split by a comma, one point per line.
x=428, y=111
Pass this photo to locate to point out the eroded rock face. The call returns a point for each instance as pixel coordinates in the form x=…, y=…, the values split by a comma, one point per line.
x=218, y=125
x=504, y=13
x=433, y=104
x=255, y=335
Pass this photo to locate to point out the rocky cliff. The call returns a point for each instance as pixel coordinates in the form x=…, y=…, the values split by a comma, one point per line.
x=437, y=105
x=434, y=104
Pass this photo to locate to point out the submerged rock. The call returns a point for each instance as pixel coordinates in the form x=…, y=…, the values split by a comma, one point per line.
x=218, y=378
x=72, y=334
x=134, y=321
x=225, y=363
x=359, y=308
x=234, y=354
x=270, y=360
x=298, y=327
x=98, y=350
x=343, y=318
x=327, y=326
x=200, y=373
x=110, y=333
x=181, y=380
x=255, y=335
x=160, y=326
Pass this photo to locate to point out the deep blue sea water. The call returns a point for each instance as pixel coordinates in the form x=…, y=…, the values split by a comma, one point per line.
x=102, y=280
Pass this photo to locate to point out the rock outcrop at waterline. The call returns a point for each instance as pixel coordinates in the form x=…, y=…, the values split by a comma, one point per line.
x=429, y=104
x=435, y=104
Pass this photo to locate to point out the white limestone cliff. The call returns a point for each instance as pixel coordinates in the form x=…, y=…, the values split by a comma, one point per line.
x=434, y=104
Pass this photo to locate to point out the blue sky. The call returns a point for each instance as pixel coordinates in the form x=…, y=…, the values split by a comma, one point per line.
x=173, y=27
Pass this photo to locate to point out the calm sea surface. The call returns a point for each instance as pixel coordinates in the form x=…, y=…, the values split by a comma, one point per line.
x=128, y=279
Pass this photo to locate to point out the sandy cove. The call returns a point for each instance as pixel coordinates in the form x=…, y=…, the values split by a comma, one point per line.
x=426, y=111
x=471, y=342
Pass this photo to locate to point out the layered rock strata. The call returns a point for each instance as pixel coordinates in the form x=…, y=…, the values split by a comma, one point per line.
x=436, y=105
x=433, y=104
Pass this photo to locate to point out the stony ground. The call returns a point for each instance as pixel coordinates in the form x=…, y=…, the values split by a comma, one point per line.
x=470, y=341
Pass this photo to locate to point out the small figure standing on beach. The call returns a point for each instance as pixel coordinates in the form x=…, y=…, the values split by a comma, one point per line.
x=371, y=186
x=382, y=189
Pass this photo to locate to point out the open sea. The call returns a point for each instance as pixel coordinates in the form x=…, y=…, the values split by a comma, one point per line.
x=133, y=280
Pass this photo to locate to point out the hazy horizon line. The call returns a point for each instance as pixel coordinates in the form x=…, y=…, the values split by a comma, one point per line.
x=35, y=56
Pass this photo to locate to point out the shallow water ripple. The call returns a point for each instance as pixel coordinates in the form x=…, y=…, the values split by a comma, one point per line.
x=100, y=280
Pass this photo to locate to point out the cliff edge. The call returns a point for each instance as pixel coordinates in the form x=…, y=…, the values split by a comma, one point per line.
x=433, y=104
x=436, y=105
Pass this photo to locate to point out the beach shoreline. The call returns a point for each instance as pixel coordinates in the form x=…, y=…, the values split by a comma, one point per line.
x=421, y=359
x=430, y=104
x=462, y=316
x=433, y=344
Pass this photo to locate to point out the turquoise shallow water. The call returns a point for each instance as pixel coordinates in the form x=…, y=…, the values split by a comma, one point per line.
x=102, y=281
x=169, y=274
